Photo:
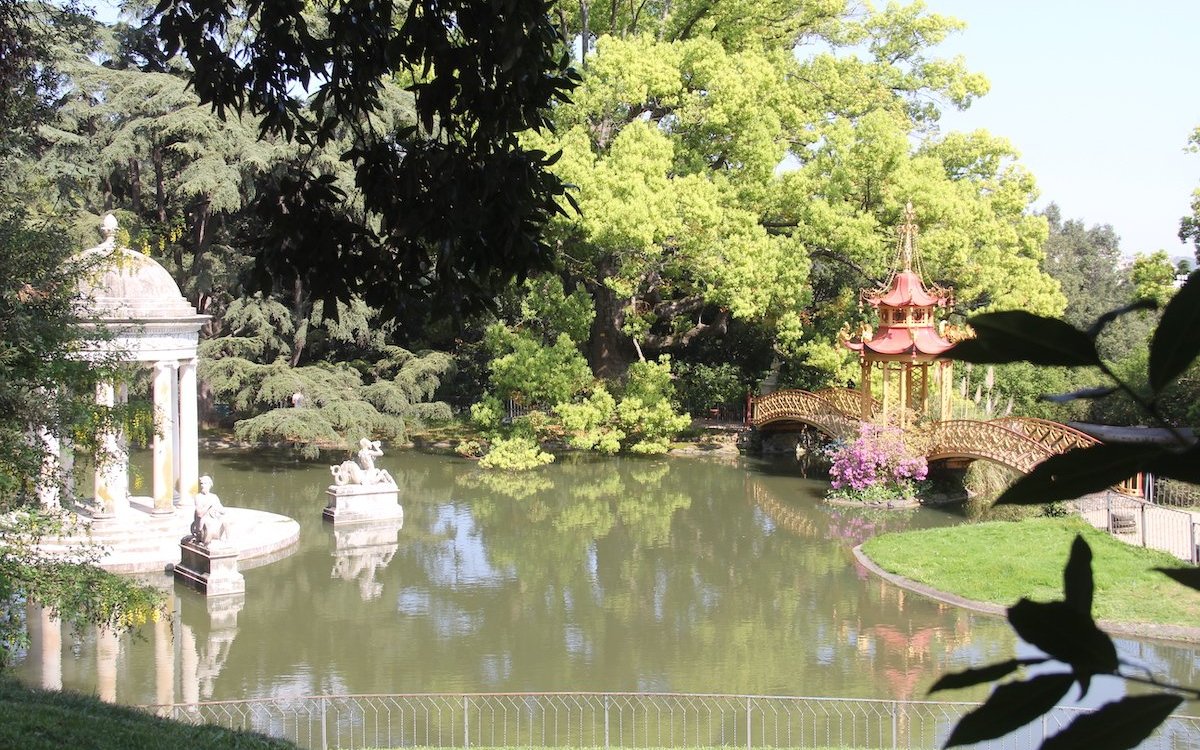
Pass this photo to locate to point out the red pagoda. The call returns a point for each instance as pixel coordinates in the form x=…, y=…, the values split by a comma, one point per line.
x=908, y=341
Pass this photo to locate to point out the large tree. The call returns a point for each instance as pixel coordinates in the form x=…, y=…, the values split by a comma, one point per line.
x=452, y=207
x=1087, y=263
x=750, y=171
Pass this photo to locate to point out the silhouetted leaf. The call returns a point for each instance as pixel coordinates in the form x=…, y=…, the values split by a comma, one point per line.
x=1079, y=472
x=1010, y=707
x=1111, y=315
x=1019, y=336
x=1184, y=466
x=1189, y=577
x=1062, y=398
x=975, y=676
x=1116, y=726
x=1066, y=634
x=1176, y=341
x=1078, y=587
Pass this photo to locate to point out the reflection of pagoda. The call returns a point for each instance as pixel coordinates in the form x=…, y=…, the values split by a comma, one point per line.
x=908, y=342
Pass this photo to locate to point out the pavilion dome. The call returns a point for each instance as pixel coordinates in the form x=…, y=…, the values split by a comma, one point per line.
x=128, y=285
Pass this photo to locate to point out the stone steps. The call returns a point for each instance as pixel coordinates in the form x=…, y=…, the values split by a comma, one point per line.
x=138, y=541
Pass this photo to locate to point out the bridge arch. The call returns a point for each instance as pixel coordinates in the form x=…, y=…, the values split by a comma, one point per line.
x=793, y=406
x=994, y=441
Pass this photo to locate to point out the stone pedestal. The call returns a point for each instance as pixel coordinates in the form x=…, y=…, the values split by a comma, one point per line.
x=355, y=503
x=211, y=571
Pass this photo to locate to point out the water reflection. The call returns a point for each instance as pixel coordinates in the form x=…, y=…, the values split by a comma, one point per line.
x=361, y=550
x=678, y=575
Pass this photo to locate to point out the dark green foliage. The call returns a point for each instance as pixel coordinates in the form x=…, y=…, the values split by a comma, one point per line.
x=1065, y=630
x=454, y=208
x=1087, y=263
x=702, y=386
x=43, y=380
x=1176, y=341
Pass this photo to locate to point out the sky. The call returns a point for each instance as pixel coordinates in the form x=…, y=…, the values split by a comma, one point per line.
x=1099, y=97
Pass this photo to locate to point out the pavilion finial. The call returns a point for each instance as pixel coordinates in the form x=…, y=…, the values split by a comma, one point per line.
x=108, y=226
x=908, y=238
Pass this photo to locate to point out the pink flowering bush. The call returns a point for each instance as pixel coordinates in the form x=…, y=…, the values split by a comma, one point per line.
x=876, y=467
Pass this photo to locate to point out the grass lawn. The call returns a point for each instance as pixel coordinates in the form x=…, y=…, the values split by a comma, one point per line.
x=1000, y=562
x=46, y=720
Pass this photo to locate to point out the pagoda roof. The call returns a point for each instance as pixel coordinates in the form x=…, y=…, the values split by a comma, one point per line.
x=907, y=290
x=895, y=341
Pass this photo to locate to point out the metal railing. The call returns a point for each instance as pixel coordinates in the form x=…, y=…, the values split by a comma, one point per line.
x=1142, y=523
x=620, y=720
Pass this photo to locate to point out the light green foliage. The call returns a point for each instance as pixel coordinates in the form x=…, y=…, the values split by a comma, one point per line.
x=525, y=370
x=1153, y=276
x=546, y=305
x=646, y=412
x=675, y=141
x=517, y=453
x=46, y=387
x=643, y=421
x=486, y=414
x=590, y=424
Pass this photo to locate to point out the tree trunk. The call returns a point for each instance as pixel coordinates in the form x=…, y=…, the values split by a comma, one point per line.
x=609, y=350
x=135, y=185
x=301, y=309
x=160, y=184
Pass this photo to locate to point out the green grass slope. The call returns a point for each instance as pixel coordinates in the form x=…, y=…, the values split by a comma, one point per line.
x=1002, y=561
x=47, y=720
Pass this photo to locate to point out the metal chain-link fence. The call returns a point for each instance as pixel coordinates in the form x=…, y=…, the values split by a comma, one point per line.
x=619, y=720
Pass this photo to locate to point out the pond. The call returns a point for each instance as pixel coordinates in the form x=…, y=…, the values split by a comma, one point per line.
x=657, y=574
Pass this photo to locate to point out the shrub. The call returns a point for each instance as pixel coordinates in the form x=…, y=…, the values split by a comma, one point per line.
x=516, y=454
x=876, y=466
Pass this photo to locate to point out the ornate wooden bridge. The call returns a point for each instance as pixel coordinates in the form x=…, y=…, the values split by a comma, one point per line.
x=1017, y=442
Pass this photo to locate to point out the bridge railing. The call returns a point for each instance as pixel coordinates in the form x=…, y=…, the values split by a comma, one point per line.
x=620, y=720
x=1143, y=523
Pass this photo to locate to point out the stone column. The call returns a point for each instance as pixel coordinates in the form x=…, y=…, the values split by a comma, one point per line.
x=189, y=665
x=164, y=663
x=175, y=464
x=108, y=647
x=45, y=641
x=50, y=482
x=189, y=434
x=111, y=464
x=121, y=468
x=164, y=431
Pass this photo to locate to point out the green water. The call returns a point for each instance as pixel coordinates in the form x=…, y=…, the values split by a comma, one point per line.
x=676, y=574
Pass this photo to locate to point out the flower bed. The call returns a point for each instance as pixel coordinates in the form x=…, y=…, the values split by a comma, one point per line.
x=876, y=468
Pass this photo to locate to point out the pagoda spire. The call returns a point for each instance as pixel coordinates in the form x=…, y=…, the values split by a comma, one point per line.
x=908, y=238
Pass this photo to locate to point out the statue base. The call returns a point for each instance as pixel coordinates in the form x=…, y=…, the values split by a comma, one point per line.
x=211, y=571
x=354, y=503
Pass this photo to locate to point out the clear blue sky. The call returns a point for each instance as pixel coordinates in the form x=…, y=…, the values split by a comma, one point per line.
x=1099, y=97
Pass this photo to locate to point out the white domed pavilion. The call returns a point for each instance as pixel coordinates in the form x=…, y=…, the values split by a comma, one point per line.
x=147, y=321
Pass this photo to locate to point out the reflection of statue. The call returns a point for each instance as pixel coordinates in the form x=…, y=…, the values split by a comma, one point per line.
x=362, y=470
x=363, y=565
x=209, y=523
